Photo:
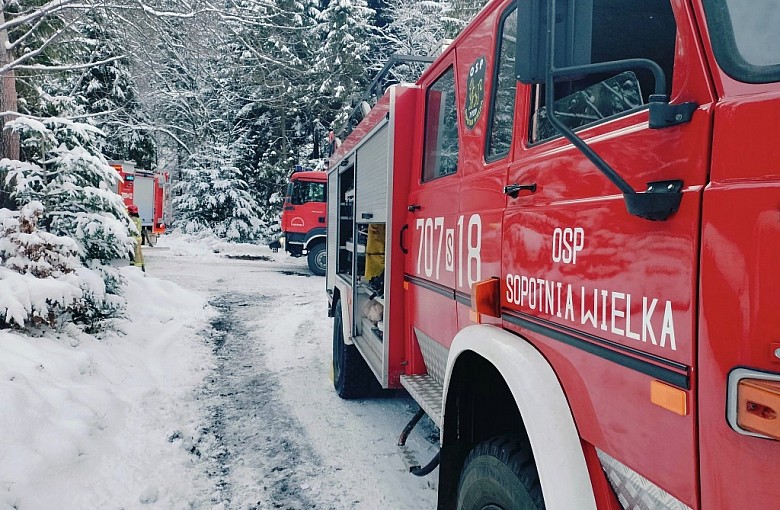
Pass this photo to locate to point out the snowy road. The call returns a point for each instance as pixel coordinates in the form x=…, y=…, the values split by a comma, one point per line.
x=274, y=434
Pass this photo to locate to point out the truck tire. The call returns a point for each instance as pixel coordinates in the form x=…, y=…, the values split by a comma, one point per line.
x=352, y=378
x=318, y=259
x=500, y=473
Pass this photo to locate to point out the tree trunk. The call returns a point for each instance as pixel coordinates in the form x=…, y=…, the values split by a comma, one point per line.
x=283, y=120
x=9, y=141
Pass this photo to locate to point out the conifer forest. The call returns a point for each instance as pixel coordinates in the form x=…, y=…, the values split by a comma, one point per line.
x=223, y=96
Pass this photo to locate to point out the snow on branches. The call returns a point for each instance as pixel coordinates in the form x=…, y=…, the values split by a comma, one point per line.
x=38, y=270
x=214, y=195
x=55, y=256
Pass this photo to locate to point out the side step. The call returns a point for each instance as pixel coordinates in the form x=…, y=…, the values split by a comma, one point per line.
x=428, y=392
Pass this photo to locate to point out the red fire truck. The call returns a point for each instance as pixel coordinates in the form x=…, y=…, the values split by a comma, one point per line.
x=146, y=190
x=303, y=217
x=584, y=297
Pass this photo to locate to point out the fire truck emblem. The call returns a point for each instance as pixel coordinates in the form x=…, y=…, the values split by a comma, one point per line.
x=475, y=92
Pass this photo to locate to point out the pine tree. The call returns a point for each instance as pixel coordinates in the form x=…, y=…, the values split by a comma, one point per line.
x=109, y=94
x=38, y=271
x=26, y=250
x=463, y=11
x=416, y=28
x=213, y=195
x=68, y=175
x=341, y=68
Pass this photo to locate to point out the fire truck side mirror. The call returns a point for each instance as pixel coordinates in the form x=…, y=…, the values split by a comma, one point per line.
x=573, y=22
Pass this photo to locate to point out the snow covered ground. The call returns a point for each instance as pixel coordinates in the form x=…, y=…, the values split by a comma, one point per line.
x=215, y=393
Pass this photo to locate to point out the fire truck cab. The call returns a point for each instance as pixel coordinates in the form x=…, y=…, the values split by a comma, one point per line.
x=303, y=217
x=562, y=242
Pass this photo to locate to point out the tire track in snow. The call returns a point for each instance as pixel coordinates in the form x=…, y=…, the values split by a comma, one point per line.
x=258, y=454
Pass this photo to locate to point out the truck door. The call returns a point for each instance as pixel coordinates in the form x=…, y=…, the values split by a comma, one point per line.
x=432, y=221
x=487, y=75
x=739, y=352
x=610, y=298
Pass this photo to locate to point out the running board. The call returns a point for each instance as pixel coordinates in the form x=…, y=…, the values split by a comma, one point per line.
x=427, y=392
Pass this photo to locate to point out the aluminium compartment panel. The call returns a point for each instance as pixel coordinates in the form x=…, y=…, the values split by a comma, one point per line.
x=333, y=220
x=143, y=197
x=371, y=177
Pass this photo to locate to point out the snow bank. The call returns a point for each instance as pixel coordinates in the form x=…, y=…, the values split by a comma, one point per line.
x=207, y=244
x=85, y=421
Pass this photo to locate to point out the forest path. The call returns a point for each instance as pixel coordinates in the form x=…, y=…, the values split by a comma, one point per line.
x=275, y=434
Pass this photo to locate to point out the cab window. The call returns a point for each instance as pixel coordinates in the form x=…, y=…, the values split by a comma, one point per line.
x=502, y=110
x=621, y=29
x=744, y=37
x=303, y=192
x=441, y=128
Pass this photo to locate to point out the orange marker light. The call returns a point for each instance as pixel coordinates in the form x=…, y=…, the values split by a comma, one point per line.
x=485, y=298
x=758, y=406
x=670, y=398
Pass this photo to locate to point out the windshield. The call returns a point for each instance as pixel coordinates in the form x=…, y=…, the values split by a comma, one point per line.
x=745, y=38
x=303, y=192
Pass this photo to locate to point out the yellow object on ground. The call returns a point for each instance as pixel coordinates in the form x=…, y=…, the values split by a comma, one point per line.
x=375, y=250
x=138, y=256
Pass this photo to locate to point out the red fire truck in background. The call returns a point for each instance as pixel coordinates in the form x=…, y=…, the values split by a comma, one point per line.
x=304, y=217
x=563, y=242
x=146, y=190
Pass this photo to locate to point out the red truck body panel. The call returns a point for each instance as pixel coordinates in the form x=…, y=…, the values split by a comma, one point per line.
x=738, y=316
x=125, y=186
x=615, y=303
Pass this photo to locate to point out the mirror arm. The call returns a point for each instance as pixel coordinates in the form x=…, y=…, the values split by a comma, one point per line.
x=661, y=199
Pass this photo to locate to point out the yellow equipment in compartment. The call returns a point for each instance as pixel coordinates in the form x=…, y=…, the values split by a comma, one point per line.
x=375, y=250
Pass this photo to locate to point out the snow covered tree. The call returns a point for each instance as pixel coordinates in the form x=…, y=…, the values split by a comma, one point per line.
x=38, y=271
x=416, y=28
x=68, y=175
x=213, y=195
x=42, y=280
x=25, y=249
x=463, y=11
x=341, y=68
x=109, y=94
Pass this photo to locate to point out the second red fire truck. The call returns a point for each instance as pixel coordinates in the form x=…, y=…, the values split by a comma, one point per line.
x=146, y=190
x=563, y=242
x=303, y=217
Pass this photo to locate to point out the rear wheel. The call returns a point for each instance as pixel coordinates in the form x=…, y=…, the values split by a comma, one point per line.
x=318, y=259
x=352, y=377
x=500, y=474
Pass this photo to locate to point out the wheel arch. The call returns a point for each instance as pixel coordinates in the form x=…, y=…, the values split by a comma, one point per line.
x=516, y=391
x=339, y=294
x=316, y=236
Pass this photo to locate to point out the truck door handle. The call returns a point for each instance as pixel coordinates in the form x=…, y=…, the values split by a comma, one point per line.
x=403, y=238
x=514, y=189
x=414, y=207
